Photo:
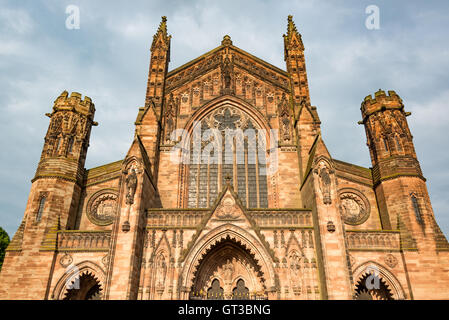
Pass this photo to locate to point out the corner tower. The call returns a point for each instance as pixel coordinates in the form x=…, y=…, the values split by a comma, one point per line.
x=53, y=200
x=61, y=166
x=399, y=184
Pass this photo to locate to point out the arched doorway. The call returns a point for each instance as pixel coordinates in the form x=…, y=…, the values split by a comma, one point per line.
x=371, y=286
x=228, y=271
x=84, y=287
x=375, y=282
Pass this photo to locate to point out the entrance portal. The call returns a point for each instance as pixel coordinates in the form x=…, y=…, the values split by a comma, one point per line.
x=228, y=271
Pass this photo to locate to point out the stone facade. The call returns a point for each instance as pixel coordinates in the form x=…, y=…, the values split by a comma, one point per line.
x=286, y=221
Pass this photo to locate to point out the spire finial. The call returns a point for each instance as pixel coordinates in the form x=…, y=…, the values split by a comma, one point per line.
x=226, y=41
x=291, y=28
x=161, y=32
x=293, y=38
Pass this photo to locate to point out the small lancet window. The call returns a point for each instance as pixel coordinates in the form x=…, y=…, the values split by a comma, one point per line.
x=70, y=146
x=41, y=209
x=398, y=144
x=385, y=144
x=416, y=208
x=58, y=145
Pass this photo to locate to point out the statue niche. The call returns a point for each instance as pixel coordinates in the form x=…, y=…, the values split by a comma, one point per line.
x=323, y=173
x=131, y=184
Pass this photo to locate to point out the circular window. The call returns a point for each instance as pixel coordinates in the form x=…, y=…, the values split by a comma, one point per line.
x=102, y=207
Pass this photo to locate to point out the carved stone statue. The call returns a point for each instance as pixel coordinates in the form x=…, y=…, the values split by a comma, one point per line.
x=131, y=184
x=228, y=270
x=227, y=73
x=325, y=183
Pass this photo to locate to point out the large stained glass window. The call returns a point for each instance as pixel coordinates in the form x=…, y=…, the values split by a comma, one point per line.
x=227, y=146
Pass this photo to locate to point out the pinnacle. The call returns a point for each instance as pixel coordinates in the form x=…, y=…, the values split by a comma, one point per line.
x=226, y=41
x=291, y=27
x=161, y=32
x=292, y=36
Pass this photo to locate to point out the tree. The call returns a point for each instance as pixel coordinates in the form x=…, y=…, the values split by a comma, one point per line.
x=4, y=241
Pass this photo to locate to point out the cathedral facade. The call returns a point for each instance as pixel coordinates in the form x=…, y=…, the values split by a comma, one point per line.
x=228, y=192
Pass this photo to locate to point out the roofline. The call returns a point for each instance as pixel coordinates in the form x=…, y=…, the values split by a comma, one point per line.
x=192, y=62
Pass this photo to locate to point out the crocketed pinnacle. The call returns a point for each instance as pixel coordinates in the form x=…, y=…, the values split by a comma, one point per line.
x=293, y=37
x=291, y=28
x=161, y=34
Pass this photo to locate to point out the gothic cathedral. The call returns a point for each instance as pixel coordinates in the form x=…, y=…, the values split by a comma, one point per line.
x=228, y=192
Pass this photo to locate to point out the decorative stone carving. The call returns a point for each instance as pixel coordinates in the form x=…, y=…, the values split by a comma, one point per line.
x=330, y=227
x=228, y=270
x=391, y=260
x=170, y=118
x=294, y=263
x=102, y=207
x=227, y=210
x=323, y=173
x=126, y=226
x=161, y=272
x=66, y=260
x=284, y=119
x=131, y=184
x=105, y=260
x=354, y=206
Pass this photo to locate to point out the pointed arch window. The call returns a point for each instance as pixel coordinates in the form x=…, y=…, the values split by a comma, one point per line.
x=398, y=143
x=240, y=292
x=41, y=208
x=219, y=152
x=385, y=143
x=416, y=208
x=215, y=292
x=70, y=146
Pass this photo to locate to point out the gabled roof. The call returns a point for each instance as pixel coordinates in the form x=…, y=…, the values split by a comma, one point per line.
x=228, y=44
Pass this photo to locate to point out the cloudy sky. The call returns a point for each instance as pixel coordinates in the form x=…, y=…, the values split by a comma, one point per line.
x=107, y=59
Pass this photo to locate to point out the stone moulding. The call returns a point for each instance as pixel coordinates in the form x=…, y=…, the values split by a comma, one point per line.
x=373, y=240
x=83, y=241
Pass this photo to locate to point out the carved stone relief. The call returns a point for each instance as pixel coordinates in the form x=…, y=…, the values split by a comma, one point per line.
x=323, y=171
x=66, y=260
x=131, y=184
x=354, y=206
x=102, y=206
x=391, y=260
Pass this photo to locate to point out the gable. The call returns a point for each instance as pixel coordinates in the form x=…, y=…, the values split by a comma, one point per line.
x=242, y=60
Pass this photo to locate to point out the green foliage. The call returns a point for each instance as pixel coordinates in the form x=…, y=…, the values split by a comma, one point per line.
x=4, y=241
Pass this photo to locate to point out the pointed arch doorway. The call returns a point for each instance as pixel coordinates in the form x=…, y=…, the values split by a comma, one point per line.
x=228, y=271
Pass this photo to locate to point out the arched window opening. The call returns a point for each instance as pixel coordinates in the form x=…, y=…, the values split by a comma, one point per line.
x=398, y=143
x=58, y=145
x=227, y=146
x=385, y=143
x=70, y=145
x=40, y=210
x=240, y=292
x=215, y=292
x=416, y=208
